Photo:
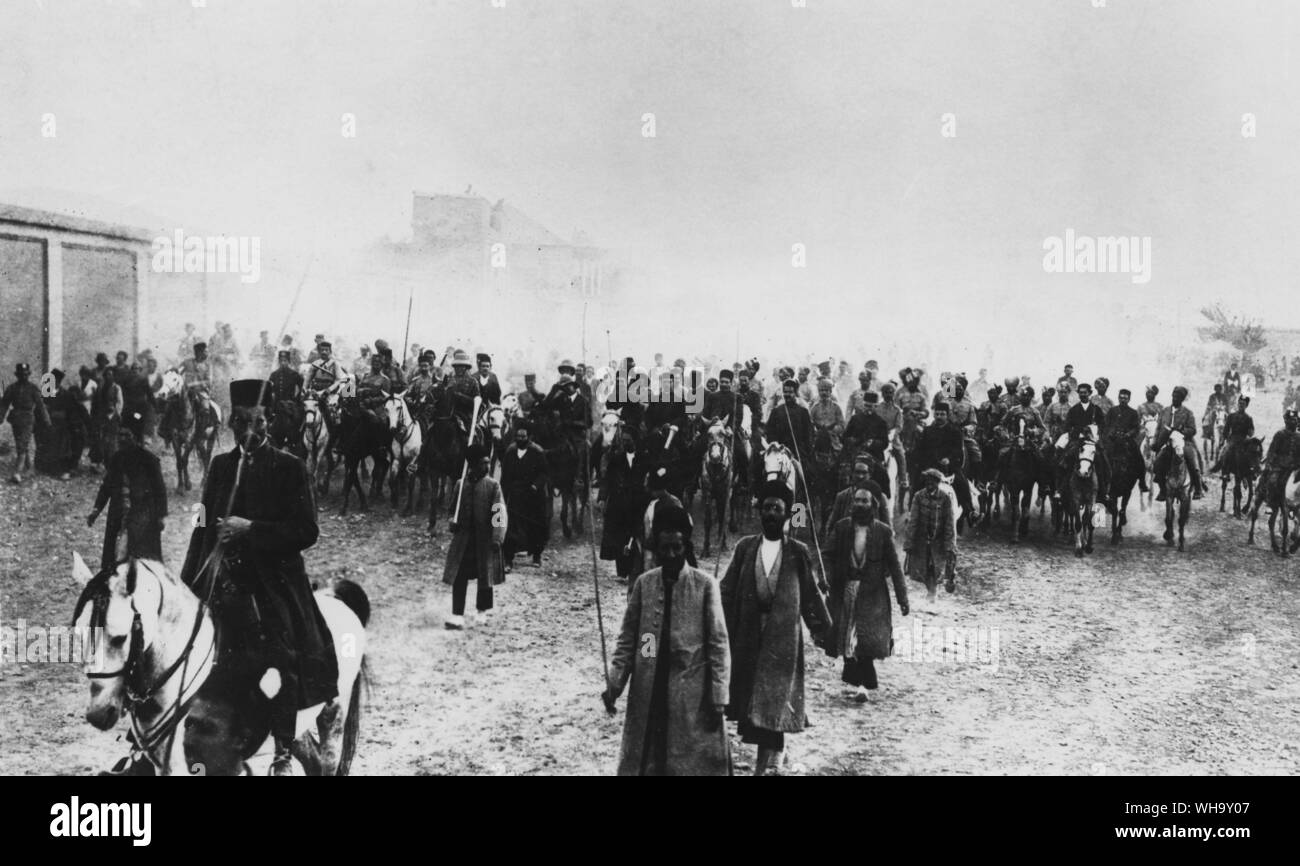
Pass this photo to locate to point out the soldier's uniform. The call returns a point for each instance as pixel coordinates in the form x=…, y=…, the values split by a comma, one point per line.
x=570, y=408
x=1124, y=427
x=529, y=398
x=489, y=388
x=22, y=401
x=1054, y=417
x=1237, y=428
x=1100, y=400
x=459, y=392
x=963, y=411
x=1178, y=418
x=372, y=392
x=827, y=415
x=931, y=534
x=197, y=374
x=322, y=374
x=1283, y=456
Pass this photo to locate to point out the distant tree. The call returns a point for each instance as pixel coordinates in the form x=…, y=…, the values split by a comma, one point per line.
x=1243, y=335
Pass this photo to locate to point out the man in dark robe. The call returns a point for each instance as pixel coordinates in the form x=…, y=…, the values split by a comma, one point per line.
x=245, y=558
x=526, y=486
x=941, y=446
x=674, y=648
x=479, y=524
x=861, y=560
x=287, y=400
x=136, y=496
x=624, y=498
x=769, y=592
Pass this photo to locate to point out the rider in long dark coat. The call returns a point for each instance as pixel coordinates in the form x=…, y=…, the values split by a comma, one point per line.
x=1237, y=428
x=261, y=595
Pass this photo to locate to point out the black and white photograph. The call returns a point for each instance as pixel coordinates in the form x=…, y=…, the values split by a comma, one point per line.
x=515, y=388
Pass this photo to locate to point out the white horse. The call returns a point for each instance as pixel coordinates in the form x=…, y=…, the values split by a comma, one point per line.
x=315, y=438
x=403, y=450
x=155, y=649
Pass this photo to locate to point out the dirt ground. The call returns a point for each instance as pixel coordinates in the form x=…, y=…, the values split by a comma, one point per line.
x=1135, y=660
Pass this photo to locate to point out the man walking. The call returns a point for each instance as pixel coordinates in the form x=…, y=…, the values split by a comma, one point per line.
x=478, y=528
x=136, y=496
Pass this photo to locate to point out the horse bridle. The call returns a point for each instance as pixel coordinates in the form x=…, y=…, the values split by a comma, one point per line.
x=160, y=730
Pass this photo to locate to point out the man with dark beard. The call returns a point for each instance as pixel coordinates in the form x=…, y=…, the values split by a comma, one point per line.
x=526, y=486
x=246, y=556
x=861, y=560
x=674, y=648
x=768, y=594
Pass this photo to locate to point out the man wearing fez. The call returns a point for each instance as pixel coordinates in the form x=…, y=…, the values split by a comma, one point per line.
x=478, y=528
x=488, y=385
x=769, y=592
x=22, y=406
x=529, y=398
x=525, y=482
x=861, y=560
x=136, y=496
x=674, y=648
x=258, y=514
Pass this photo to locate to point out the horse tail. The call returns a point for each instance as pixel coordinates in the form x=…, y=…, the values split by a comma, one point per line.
x=352, y=724
x=351, y=594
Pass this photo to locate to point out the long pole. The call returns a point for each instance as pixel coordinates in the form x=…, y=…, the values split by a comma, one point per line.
x=591, y=522
x=406, y=341
x=464, y=468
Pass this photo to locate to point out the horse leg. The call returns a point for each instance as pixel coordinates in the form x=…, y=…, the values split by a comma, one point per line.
x=1286, y=517
x=1254, y=516
x=1169, y=519
x=708, y=520
x=1088, y=527
x=1184, y=511
x=1223, y=495
x=1272, y=527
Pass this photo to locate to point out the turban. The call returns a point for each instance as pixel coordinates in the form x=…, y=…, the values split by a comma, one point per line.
x=1180, y=391
x=1153, y=390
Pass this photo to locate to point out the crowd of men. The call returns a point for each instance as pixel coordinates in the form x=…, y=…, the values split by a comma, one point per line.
x=747, y=628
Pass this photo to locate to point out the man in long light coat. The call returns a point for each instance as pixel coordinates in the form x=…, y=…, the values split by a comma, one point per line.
x=674, y=649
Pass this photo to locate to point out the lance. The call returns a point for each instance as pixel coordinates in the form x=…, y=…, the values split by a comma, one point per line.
x=812, y=524
x=464, y=469
x=406, y=341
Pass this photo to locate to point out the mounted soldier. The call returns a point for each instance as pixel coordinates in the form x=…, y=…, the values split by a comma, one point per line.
x=1238, y=427
x=1124, y=430
x=961, y=408
x=942, y=446
x=912, y=403
x=489, y=388
x=287, y=400
x=1177, y=417
x=1086, y=421
x=529, y=398
x=791, y=424
x=569, y=408
x=459, y=392
x=373, y=390
x=1056, y=412
x=197, y=371
x=1099, y=398
x=893, y=417
x=390, y=368
x=1216, y=401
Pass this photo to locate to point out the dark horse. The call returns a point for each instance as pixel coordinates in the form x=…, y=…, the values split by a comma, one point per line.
x=190, y=422
x=1280, y=492
x=363, y=435
x=1126, y=468
x=1241, y=463
x=566, y=468
x=1022, y=470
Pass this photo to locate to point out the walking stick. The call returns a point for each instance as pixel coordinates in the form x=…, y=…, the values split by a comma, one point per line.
x=464, y=469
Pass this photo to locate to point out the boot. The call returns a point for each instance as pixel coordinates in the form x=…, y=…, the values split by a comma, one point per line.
x=1199, y=487
x=282, y=763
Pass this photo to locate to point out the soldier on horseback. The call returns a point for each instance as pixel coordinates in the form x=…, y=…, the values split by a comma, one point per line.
x=1151, y=408
x=197, y=371
x=892, y=415
x=286, y=398
x=1238, y=427
x=459, y=392
x=1099, y=399
x=569, y=408
x=942, y=446
x=826, y=415
x=1216, y=401
x=1083, y=421
x=1022, y=410
x=1177, y=417
x=1282, y=459
x=323, y=372
x=374, y=388
x=488, y=385
x=791, y=424
x=1056, y=412
x=1124, y=431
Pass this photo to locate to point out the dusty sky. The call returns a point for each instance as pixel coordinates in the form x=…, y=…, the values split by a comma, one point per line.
x=775, y=126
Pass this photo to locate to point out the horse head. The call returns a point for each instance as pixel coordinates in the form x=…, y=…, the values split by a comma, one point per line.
x=172, y=383
x=611, y=424
x=398, y=416
x=119, y=616
x=1087, y=458
x=496, y=422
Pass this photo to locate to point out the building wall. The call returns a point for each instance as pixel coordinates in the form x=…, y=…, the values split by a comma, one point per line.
x=100, y=294
x=23, y=331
